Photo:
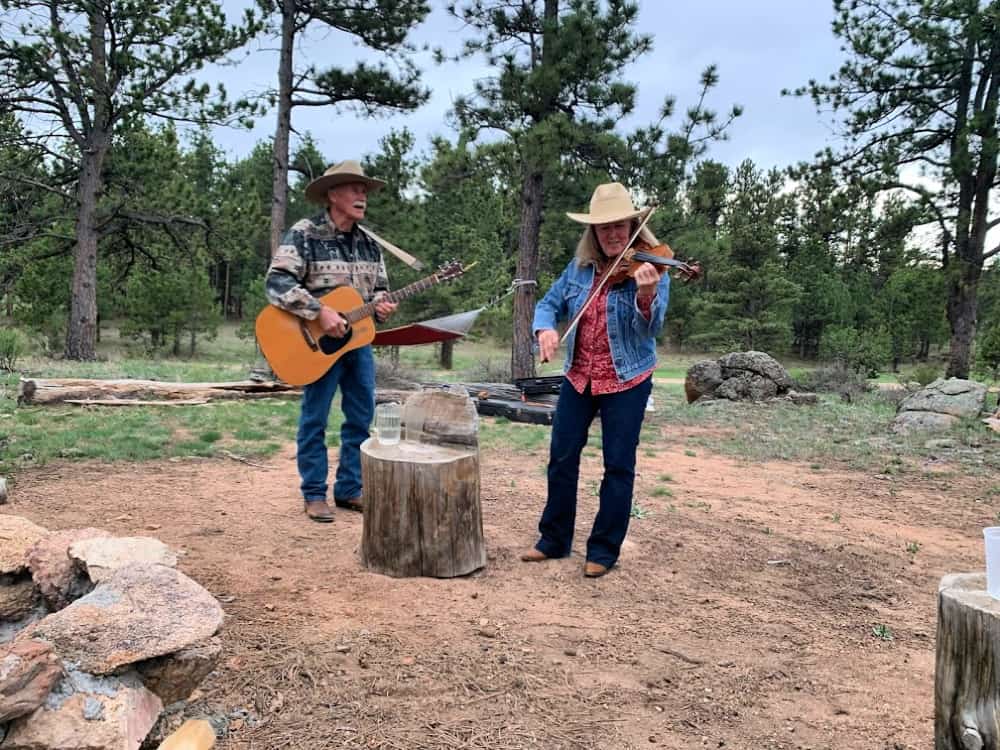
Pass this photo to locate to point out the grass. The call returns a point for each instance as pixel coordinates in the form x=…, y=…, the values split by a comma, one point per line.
x=831, y=432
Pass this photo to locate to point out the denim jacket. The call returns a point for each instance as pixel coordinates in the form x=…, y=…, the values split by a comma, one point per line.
x=632, y=337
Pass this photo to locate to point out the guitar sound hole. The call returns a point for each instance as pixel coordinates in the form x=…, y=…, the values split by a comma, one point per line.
x=332, y=345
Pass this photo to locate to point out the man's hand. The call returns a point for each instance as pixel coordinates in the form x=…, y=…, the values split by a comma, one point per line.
x=332, y=322
x=385, y=309
x=548, y=342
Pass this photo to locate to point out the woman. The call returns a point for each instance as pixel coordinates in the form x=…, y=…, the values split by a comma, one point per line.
x=609, y=365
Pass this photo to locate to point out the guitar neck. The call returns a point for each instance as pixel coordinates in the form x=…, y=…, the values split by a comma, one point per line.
x=368, y=310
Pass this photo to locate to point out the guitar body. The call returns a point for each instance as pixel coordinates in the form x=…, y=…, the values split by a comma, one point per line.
x=298, y=350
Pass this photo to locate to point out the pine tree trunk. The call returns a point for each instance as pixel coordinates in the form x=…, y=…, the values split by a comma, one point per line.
x=522, y=363
x=282, y=135
x=962, y=303
x=447, y=361
x=81, y=328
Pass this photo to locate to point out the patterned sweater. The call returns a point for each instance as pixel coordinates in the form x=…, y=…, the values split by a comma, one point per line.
x=315, y=257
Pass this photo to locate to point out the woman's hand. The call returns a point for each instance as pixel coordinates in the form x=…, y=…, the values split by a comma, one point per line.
x=647, y=277
x=548, y=342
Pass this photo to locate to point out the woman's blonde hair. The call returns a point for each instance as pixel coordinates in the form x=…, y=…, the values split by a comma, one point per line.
x=588, y=249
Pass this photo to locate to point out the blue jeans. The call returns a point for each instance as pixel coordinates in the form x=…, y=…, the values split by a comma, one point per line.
x=354, y=373
x=621, y=421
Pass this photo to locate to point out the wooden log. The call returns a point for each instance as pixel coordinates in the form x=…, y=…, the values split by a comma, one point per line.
x=61, y=390
x=967, y=673
x=422, y=511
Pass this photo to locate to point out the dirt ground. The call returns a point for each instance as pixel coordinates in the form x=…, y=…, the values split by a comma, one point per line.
x=742, y=613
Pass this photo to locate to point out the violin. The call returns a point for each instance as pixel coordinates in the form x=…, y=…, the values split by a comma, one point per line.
x=660, y=256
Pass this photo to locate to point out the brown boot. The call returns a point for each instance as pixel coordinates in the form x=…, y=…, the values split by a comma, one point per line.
x=353, y=503
x=594, y=570
x=534, y=555
x=319, y=511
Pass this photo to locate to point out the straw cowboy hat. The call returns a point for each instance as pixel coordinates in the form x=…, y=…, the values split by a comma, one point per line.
x=609, y=203
x=340, y=174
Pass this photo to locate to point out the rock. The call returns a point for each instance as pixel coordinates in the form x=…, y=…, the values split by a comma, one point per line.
x=175, y=676
x=59, y=579
x=3, y=490
x=89, y=713
x=758, y=363
x=702, y=379
x=803, y=398
x=940, y=444
x=101, y=556
x=28, y=670
x=923, y=421
x=955, y=397
x=747, y=386
x=738, y=376
x=940, y=406
x=17, y=536
x=18, y=596
x=139, y=612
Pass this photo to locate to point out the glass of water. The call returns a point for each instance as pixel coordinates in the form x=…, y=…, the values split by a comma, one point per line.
x=387, y=418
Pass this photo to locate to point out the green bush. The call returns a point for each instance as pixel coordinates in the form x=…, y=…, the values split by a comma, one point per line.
x=12, y=347
x=925, y=374
x=988, y=353
x=860, y=351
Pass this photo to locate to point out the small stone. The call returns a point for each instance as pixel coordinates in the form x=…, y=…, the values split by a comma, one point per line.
x=269, y=607
x=487, y=632
x=474, y=595
x=407, y=661
x=343, y=649
x=569, y=651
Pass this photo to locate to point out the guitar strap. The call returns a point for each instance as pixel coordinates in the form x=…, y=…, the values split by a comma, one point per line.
x=398, y=252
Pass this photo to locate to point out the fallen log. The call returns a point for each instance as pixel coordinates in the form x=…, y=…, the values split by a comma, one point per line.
x=63, y=390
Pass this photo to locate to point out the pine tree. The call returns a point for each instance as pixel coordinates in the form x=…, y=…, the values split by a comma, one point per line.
x=83, y=69
x=921, y=88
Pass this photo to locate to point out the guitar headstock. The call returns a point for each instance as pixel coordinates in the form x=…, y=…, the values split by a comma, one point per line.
x=451, y=270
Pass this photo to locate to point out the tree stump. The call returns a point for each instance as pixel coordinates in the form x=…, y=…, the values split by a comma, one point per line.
x=967, y=675
x=422, y=513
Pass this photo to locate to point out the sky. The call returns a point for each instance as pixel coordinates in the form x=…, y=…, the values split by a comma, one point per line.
x=759, y=48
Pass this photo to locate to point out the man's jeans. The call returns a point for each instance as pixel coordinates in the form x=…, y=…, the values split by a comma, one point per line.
x=354, y=374
x=621, y=422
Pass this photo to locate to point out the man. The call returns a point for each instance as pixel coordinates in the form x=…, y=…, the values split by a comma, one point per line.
x=317, y=255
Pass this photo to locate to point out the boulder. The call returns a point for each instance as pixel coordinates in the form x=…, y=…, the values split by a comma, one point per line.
x=139, y=612
x=739, y=376
x=59, y=579
x=702, y=379
x=175, y=676
x=3, y=490
x=85, y=712
x=18, y=596
x=955, y=397
x=757, y=363
x=17, y=536
x=28, y=670
x=940, y=406
x=101, y=556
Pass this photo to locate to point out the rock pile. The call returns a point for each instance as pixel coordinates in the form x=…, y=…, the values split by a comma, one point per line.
x=940, y=406
x=741, y=376
x=97, y=635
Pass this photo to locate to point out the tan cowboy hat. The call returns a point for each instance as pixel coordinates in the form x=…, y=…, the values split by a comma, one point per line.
x=340, y=174
x=609, y=203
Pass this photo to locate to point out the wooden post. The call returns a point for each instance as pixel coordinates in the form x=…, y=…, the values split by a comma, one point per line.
x=967, y=678
x=422, y=513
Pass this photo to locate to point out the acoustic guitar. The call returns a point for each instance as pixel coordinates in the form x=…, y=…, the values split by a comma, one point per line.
x=300, y=352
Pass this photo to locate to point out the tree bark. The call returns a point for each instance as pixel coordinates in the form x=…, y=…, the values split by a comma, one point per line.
x=963, y=284
x=967, y=681
x=81, y=328
x=282, y=134
x=422, y=511
x=522, y=362
x=447, y=360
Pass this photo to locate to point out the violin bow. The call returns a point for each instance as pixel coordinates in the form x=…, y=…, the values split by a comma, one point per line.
x=607, y=275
